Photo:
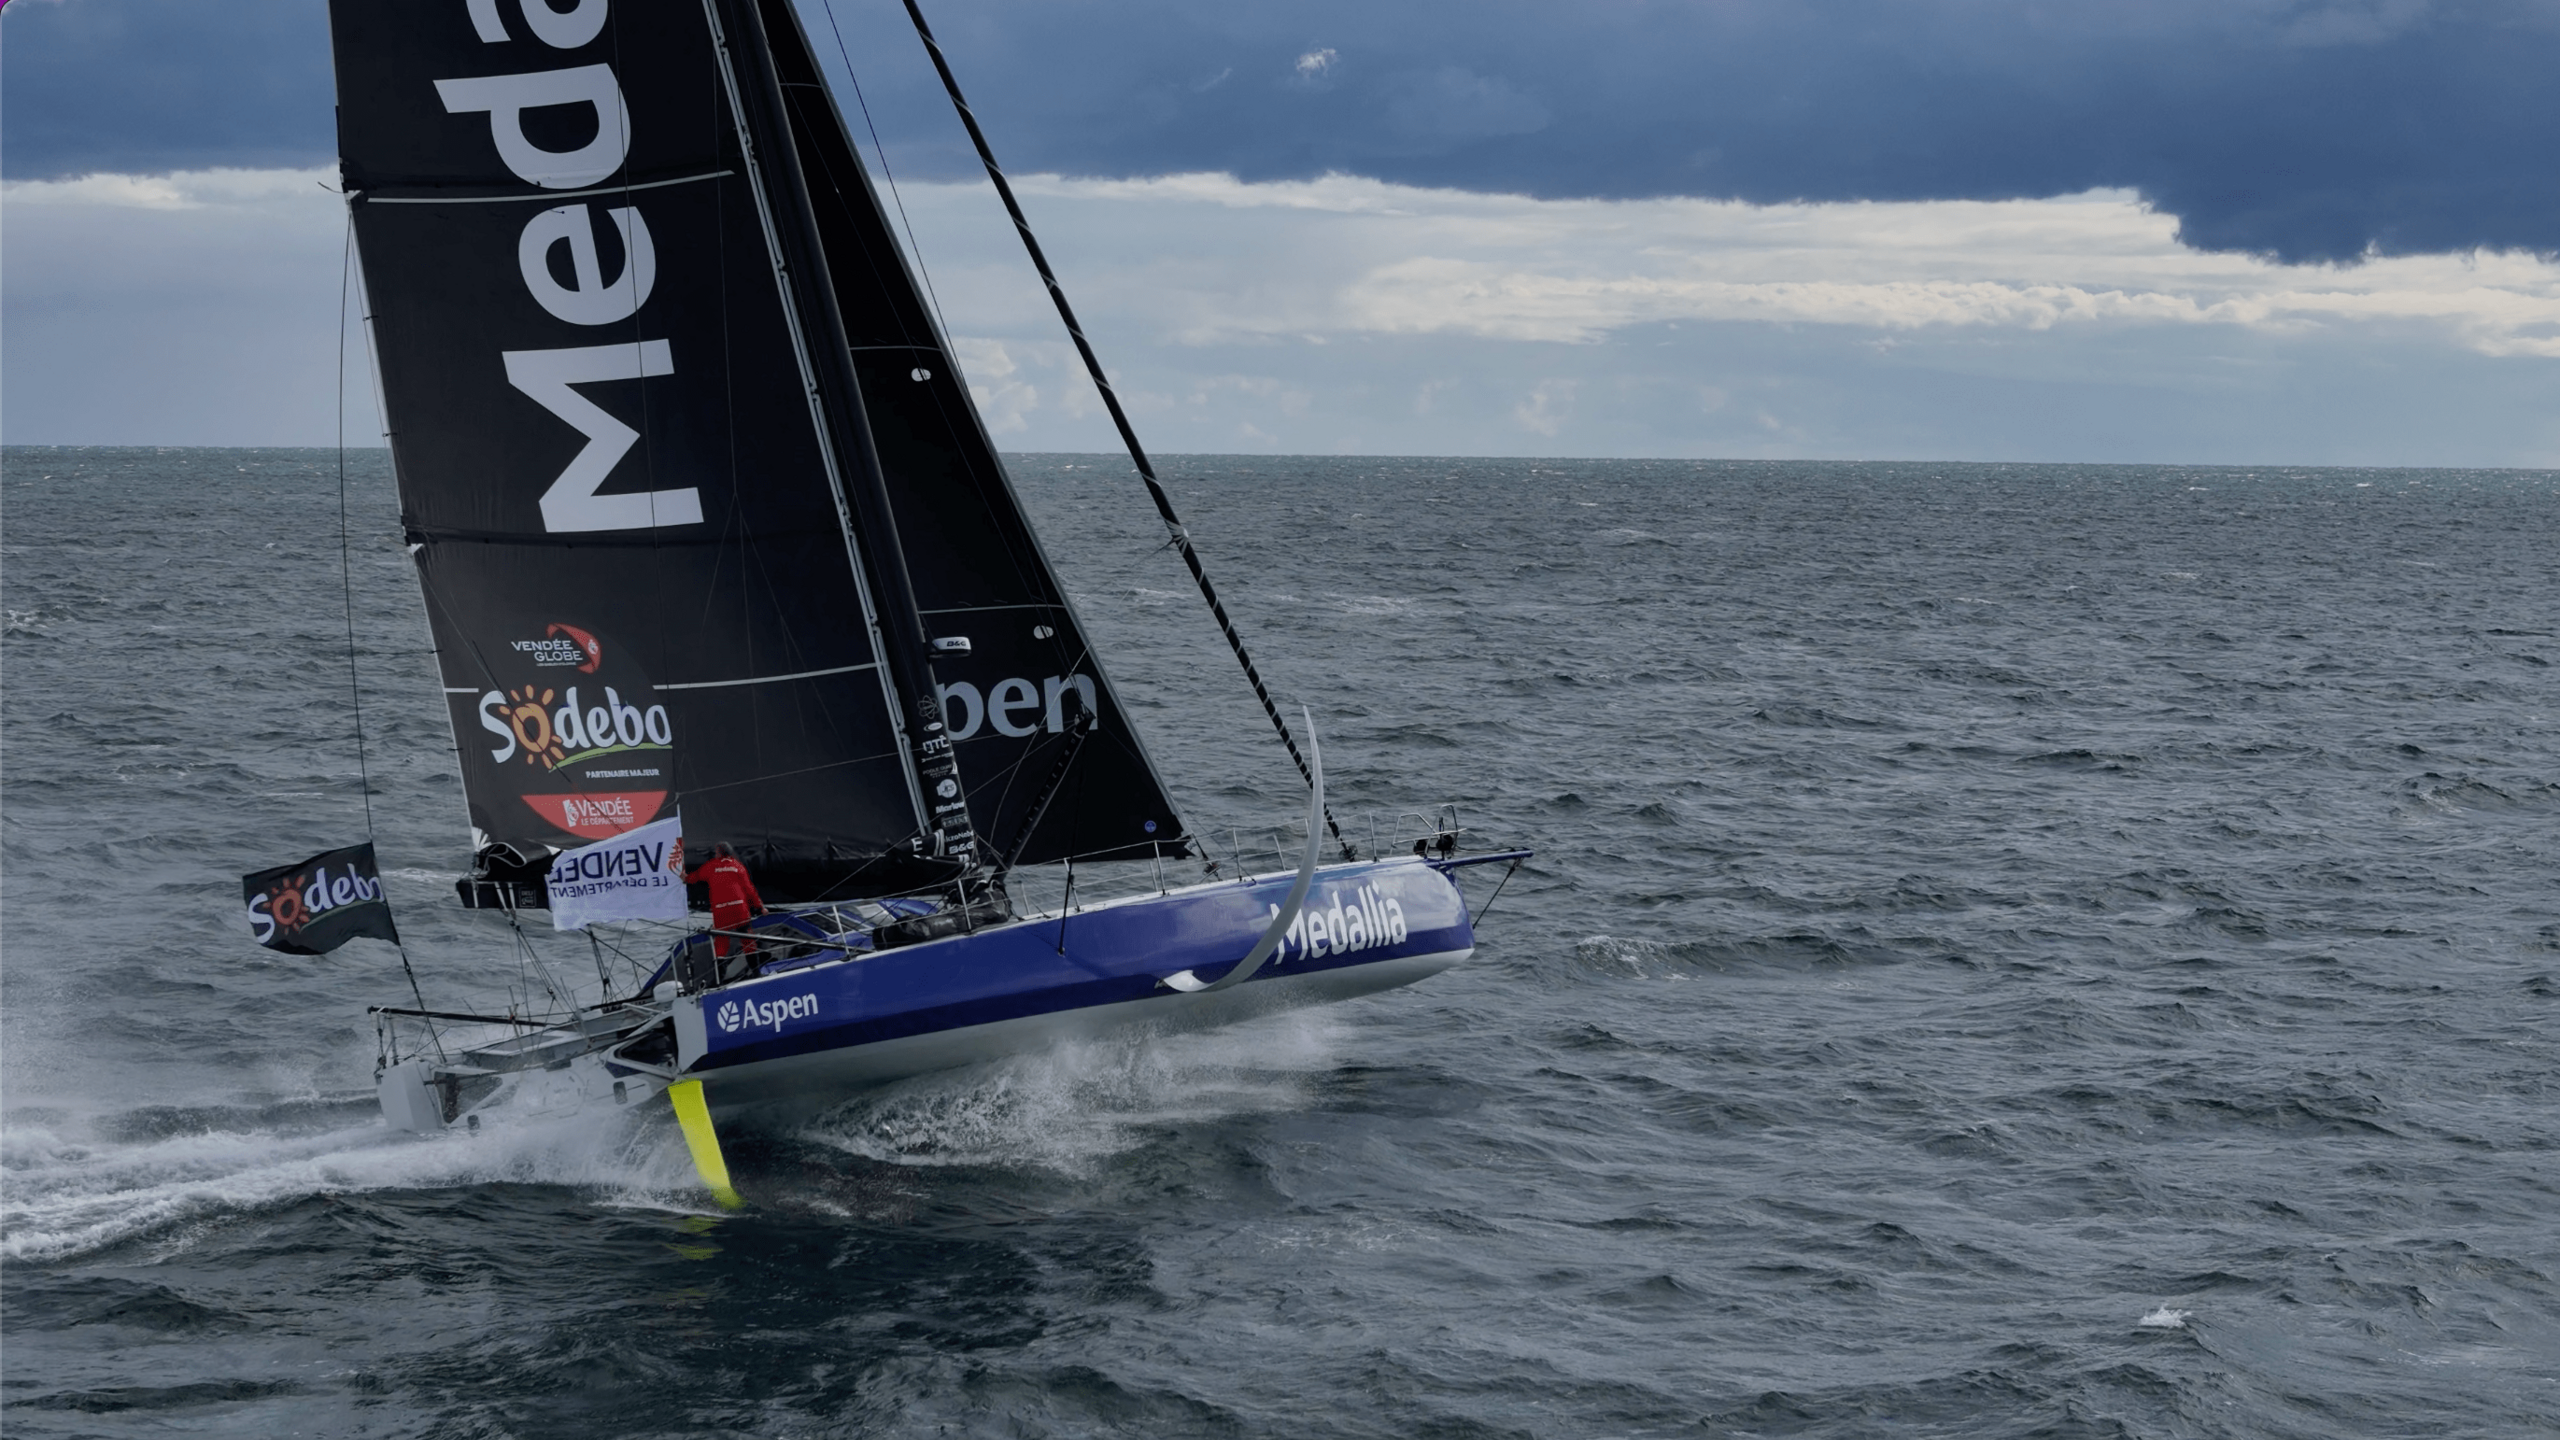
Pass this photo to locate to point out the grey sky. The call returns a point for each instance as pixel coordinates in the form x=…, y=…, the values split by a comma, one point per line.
x=2006, y=255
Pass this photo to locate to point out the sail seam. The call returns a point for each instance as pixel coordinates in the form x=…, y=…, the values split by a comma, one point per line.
x=768, y=679
x=372, y=198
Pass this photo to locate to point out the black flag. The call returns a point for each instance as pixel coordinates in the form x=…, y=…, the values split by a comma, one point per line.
x=319, y=904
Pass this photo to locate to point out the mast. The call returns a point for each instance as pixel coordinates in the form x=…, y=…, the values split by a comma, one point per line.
x=853, y=463
x=1179, y=536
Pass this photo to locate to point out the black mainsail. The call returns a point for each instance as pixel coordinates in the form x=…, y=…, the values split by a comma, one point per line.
x=689, y=475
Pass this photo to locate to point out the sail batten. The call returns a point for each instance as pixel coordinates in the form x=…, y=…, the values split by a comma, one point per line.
x=764, y=679
x=632, y=188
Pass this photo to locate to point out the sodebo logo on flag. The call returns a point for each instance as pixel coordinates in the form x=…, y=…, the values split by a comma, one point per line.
x=317, y=905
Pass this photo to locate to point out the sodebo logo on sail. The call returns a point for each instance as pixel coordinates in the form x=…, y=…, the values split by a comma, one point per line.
x=550, y=375
x=571, y=731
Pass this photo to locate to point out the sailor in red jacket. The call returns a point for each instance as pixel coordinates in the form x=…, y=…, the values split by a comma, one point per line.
x=734, y=900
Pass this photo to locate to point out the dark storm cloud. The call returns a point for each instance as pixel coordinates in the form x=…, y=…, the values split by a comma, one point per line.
x=2307, y=128
x=155, y=85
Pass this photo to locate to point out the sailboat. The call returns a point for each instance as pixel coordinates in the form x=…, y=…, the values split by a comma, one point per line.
x=713, y=541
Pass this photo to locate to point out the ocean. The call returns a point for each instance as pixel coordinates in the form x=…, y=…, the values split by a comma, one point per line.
x=2012, y=951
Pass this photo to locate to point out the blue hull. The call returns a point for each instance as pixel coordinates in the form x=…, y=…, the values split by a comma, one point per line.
x=806, y=1038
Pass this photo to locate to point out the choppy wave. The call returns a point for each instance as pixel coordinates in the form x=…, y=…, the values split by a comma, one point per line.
x=2012, y=951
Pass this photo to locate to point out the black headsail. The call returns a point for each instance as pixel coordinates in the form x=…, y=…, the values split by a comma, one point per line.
x=977, y=568
x=660, y=559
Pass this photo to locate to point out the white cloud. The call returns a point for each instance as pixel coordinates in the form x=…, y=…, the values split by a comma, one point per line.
x=1439, y=107
x=2068, y=328
x=1380, y=258
x=1001, y=398
x=276, y=192
x=195, y=308
x=1267, y=390
x=2358, y=22
x=1548, y=404
x=1315, y=316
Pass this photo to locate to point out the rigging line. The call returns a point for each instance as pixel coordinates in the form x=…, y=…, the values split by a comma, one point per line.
x=604, y=977
x=637, y=974
x=762, y=777
x=882, y=151
x=1497, y=894
x=526, y=953
x=346, y=565
x=1180, y=537
x=382, y=414
x=347, y=587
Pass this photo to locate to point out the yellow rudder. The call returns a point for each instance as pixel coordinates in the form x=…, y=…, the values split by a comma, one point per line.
x=695, y=1117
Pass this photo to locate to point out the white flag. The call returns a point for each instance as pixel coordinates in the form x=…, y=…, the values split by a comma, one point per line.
x=636, y=875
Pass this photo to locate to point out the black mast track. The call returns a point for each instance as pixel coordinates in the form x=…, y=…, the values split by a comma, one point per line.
x=1180, y=536
x=811, y=291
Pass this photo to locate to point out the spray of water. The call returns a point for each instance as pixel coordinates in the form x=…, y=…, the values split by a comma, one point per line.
x=69, y=1186
x=1070, y=1108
